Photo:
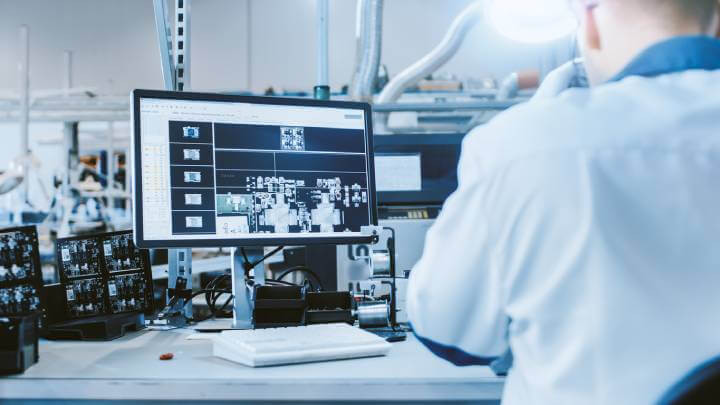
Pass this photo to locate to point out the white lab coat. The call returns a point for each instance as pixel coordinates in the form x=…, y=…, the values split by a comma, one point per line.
x=585, y=233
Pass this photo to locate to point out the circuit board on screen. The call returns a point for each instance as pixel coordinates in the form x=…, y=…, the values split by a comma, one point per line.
x=20, y=272
x=104, y=274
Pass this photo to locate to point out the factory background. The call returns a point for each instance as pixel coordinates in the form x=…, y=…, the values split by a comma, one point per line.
x=237, y=45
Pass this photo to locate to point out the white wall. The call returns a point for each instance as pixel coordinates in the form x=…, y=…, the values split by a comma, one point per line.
x=115, y=48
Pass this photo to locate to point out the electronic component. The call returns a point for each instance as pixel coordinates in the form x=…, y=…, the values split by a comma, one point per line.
x=103, y=274
x=20, y=275
x=373, y=314
x=85, y=297
x=127, y=293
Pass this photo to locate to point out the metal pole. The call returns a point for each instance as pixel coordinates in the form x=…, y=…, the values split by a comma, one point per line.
x=164, y=38
x=182, y=258
x=182, y=45
x=24, y=72
x=322, y=38
x=322, y=89
x=176, y=76
x=67, y=72
x=110, y=180
x=71, y=144
x=248, y=56
x=242, y=298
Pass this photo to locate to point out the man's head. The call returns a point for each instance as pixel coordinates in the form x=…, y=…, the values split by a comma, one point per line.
x=613, y=32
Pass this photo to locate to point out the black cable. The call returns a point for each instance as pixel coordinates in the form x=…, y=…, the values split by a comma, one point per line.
x=302, y=269
x=212, y=285
x=215, y=311
x=203, y=291
x=277, y=249
x=244, y=255
x=247, y=265
x=227, y=302
x=307, y=283
x=213, y=292
x=280, y=282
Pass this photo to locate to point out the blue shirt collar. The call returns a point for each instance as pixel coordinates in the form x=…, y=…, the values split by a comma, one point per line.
x=674, y=55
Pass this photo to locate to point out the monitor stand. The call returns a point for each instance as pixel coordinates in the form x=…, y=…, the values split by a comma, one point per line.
x=243, y=294
x=178, y=309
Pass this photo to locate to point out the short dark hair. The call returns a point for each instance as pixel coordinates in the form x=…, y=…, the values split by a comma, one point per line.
x=702, y=10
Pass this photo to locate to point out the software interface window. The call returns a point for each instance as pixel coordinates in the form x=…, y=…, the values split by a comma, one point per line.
x=227, y=170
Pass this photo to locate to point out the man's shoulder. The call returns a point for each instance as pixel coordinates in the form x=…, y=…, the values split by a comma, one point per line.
x=637, y=113
x=564, y=123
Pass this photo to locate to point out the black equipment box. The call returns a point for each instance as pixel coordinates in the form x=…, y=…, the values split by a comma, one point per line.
x=20, y=307
x=105, y=288
x=19, y=343
x=20, y=273
x=294, y=306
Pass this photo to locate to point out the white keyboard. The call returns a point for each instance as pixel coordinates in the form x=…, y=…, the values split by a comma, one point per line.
x=302, y=344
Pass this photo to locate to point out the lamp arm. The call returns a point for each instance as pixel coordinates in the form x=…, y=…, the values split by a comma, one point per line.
x=431, y=62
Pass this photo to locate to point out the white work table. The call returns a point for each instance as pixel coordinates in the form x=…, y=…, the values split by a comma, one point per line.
x=128, y=370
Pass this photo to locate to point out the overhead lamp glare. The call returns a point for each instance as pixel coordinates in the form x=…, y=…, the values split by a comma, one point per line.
x=531, y=21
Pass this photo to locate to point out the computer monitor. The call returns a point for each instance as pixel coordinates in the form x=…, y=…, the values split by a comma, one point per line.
x=416, y=169
x=222, y=170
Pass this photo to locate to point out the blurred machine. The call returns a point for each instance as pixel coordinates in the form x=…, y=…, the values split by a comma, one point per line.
x=415, y=173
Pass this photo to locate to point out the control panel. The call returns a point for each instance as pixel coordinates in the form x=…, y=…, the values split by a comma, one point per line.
x=20, y=273
x=104, y=274
x=391, y=213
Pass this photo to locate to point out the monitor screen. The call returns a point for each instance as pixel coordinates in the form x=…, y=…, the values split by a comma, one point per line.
x=219, y=170
x=398, y=172
x=428, y=163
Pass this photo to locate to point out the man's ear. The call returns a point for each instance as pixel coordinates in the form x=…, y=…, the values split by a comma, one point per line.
x=592, y=35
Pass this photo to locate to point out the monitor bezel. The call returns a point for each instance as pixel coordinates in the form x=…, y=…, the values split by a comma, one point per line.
x=136, y=165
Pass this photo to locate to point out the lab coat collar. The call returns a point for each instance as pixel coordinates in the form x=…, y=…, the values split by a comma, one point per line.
x=674, y=55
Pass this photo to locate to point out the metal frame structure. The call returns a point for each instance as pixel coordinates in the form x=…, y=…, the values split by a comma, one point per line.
x=322, y=88
x=323, y=11
x=176, y=76
x=24, y=70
